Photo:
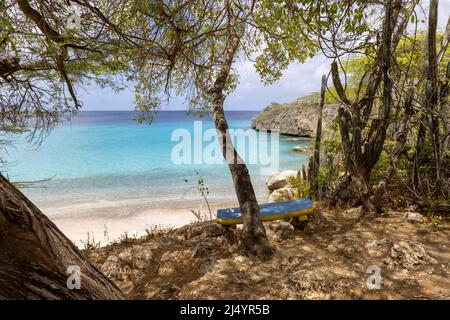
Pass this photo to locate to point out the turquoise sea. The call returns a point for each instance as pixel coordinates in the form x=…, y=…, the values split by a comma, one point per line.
x=106, y=157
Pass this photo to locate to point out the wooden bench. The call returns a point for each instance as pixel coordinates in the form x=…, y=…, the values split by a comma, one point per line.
x=270, y=211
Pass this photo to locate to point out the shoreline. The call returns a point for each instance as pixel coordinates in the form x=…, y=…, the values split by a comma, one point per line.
x=104, y=225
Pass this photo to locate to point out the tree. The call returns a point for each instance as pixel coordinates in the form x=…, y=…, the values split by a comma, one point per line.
x=43, y=58
x=199, y=43
x=362, y=153
x=189, y=48
x=434, y=120
x=253, y=234
x=36, y=257
x=317, y=143
x=41, y=61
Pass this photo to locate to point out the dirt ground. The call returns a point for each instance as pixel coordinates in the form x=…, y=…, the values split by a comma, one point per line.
x=338, y=255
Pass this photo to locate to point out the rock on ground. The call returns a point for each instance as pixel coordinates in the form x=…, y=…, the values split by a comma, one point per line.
x=283, y=193
x=413, y=217
x=280, y=180
x=301, y=149
x=409, y=254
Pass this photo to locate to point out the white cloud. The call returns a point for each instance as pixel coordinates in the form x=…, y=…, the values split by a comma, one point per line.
x=298, y=80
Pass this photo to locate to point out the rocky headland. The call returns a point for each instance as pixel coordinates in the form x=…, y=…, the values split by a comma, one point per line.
x=297, y=118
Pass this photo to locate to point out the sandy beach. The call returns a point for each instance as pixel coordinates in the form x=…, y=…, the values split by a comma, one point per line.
x=105, y=175
x=111, y=221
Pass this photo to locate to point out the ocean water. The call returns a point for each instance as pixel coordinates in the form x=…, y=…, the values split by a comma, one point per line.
x=102, y=158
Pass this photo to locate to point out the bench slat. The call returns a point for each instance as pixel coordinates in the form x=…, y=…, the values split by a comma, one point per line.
x=270, y=211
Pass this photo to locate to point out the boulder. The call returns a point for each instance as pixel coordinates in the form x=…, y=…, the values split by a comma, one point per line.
x=282, y=194
x=282, y=229
x=279, y=180
x=353, y=213
x=409, y=254
x=413, y=217
x=379, y=247
x=300, y=149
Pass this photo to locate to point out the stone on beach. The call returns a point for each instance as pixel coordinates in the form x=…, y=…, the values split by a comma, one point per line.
x=282, y=193
x=280, y=180
x=300, y=149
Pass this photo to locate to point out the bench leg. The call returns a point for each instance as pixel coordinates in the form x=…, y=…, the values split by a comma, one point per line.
x=298, y=224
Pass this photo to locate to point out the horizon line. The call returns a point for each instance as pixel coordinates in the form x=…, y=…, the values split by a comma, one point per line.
x=81, y=110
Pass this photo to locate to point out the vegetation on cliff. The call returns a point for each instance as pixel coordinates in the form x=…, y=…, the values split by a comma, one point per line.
x=297, y=118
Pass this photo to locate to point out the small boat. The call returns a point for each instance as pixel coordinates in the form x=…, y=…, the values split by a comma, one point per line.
x=270, y=211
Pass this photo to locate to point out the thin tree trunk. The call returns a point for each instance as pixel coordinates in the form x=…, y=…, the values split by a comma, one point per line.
x=253, y=235
x=380, y=192
x=431, y=100
x=329, y=164
x=316, y=161
x=444, y=43
x=431, y=90
x=362, y=154
x=415, y=178
x=35, y=255
x=445, y=111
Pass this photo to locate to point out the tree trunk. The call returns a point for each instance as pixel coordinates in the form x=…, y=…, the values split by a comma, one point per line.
x=417, y=163
x=253, y=235
x=35, y=256
x=380, y=192
x=445, y=111
x=316, y=161
x=431, y=96
x=329, y=163
x=432, y=85
x=444, y=42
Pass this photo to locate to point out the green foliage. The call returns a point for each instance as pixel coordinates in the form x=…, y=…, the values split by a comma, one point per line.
x=300, y=185
x=51, y=62
x=386, y=211
x=409, y=61
x=379, y=169
x=90, y=243
x=204, y=192
x=289, y=30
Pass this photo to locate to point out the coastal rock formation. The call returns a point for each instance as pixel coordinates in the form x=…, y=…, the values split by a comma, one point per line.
x=301, y=149
x=282, y=193
x=279, y=180
x=297, y=118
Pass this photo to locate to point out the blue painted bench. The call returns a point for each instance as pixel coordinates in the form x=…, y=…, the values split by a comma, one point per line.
x=270, y=211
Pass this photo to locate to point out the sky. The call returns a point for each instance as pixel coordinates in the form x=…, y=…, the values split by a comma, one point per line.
x=298, y=80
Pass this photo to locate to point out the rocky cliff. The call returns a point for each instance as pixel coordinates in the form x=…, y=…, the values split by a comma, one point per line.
x=297, y=118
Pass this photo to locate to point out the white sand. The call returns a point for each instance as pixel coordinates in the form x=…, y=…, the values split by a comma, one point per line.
x=111, y=221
